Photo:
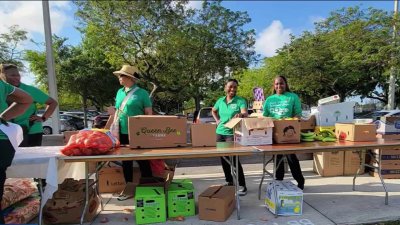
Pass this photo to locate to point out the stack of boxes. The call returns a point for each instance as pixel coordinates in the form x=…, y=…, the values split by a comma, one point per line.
x=388, y=128
x=328, y=113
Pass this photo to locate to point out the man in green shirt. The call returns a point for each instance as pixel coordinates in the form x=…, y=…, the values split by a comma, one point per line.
x=131, y=100
x=225, y=109
x=31, y=123
x=21, y=102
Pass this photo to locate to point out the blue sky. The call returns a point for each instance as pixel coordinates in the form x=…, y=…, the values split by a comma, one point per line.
x=272, y=20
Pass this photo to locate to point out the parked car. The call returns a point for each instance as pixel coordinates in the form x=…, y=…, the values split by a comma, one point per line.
x=377, y=114
x=205, y=115
x=100, y=121
x=48, y=126
x=75, y=121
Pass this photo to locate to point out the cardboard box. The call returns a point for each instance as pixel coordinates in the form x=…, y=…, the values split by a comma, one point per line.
x=388, y=164
x=181, y=200
x=68, y=134
x=67, y=203
x=286, y=131
x=329, y=100
x=328, y=164
x=150, y=205
x=284, y=198
x=111, y=179
x=388, y=136
x=156, y=131
x=258, y=105
x=216, y=203
x=308, y=124
x=386, y=174
x=352, y=163
x=159, y=180
x=328, y=115
x=389, y=154
x=252, y=131
x=355, y=132
x=388, y=125
x=203, y=134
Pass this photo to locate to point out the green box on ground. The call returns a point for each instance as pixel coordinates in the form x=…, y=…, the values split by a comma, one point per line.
x=150, y=205
x=181, y=200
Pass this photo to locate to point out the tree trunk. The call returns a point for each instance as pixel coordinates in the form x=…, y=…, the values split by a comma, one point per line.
x=197, y=102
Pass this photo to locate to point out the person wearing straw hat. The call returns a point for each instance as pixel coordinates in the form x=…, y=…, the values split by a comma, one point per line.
x=131, y=100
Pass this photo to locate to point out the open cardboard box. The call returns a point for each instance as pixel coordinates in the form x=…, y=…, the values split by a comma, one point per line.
x=252, y=131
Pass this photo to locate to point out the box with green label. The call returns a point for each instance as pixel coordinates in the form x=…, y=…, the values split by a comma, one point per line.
x=150, y=205
x=181, y=200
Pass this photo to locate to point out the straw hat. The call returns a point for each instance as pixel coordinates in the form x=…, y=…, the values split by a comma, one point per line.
x=128, y=70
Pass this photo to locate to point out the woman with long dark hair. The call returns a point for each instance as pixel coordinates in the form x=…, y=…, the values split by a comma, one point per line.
x=285, y=104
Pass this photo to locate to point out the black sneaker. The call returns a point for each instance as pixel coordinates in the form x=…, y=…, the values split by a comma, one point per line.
x=301, y=186
x=228, y=184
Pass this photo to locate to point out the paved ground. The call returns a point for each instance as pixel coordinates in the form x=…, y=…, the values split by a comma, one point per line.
x=327, y=200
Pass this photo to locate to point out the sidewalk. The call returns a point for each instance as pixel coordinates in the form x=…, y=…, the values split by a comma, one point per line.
x=327, y=200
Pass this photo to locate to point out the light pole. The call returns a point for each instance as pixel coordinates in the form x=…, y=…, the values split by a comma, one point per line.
x=393, y=69
x=51, y=73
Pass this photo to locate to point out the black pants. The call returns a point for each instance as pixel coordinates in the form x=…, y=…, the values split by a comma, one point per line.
x=32, y=140
x=294, y=168
x=127, y=166
x=225, y=165
x=6, y=156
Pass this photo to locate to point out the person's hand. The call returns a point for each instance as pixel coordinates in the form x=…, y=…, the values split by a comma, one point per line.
x=111, y=110
x=239, y=115
x=217, y=122
x=35, y=118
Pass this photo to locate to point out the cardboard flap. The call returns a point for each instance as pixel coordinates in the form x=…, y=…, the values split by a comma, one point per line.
x=211, y=191
x=233, y=122
x=258, y=123
x=257, y=115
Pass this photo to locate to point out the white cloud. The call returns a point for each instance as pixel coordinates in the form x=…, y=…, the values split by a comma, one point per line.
x=29, y=15
x=272, y=38
x=316, y=19
x=194, y=4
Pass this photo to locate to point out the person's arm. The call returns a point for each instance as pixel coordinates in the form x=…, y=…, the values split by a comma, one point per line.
x=51, y=105
x=21, y=102
x=148, y=111
x=243, y=110
x=266, y=109
x=214, y=113
x=297, y=107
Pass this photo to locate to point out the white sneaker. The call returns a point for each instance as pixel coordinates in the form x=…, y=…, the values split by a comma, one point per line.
x=242, y=191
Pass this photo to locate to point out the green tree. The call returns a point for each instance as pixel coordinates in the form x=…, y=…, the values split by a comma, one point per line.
x=9, y=46
x=349, y=54
x=186, y=53
x=83, y=75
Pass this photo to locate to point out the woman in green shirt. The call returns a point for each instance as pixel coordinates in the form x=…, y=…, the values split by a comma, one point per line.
x=21, y=102
x=30, y=120
x=138, y=103
x=225, y=109
x=285, y=104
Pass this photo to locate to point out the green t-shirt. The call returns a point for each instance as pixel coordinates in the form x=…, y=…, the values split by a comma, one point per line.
x=5, y=90
x=286, y=105
x=135, y=105
x=38, y=96
x=227, y=111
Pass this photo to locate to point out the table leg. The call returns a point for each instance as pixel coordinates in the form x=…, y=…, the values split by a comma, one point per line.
x=86, y=192
x=380, y=177
x=40, y=186
x=237, y=186
x=265, y=171
x=98, y=168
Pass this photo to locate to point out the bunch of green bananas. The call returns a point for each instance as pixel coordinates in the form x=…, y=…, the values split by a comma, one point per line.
x=326, y=136
x=308, y=136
